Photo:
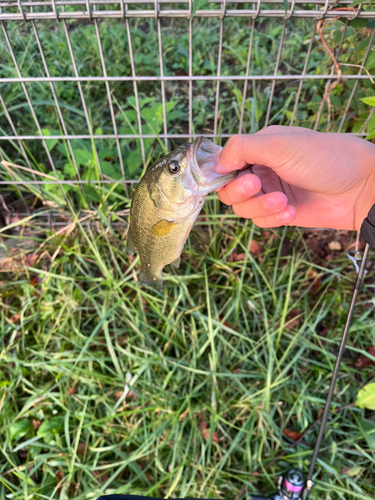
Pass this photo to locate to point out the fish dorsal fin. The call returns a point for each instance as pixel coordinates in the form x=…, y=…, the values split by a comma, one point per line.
x=162, y=228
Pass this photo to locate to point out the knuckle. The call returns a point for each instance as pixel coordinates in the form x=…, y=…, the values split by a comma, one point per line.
x=272, y=129
x=235, y=143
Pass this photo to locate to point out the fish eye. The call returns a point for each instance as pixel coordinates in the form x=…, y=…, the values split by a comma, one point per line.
x=174, y=167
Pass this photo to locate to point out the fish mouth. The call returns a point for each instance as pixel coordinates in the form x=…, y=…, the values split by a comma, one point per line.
x=202, y=157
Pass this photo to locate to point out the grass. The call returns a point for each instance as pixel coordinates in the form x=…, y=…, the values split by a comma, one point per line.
x=106, y=386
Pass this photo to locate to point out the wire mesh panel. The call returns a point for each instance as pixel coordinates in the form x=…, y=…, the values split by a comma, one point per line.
x=91, y=92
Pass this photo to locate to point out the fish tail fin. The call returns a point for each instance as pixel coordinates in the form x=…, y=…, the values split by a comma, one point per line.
x=146, y=278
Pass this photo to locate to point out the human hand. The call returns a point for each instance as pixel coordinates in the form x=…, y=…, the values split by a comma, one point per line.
x=299, y=177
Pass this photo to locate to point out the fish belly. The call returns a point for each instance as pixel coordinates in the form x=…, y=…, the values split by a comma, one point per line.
x=155, y=252
x=162, y=251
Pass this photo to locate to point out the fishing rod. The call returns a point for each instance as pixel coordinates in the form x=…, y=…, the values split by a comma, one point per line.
x=293, y=485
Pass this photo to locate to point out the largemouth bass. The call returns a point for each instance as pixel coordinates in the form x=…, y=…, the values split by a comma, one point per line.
x=166, y=204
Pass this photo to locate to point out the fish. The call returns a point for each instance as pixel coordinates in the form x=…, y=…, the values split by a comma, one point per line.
x=166, y=204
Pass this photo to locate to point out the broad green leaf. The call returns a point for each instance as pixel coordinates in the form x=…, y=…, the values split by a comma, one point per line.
x=198, y=5
x=151, y=114
x=51, y=143
x=370, y=101
x=170, y=105
x=20, y=429
x=370, y=63
x=83, y=157
x=358, y=23
x=50, y=428
x=131, y=115
x=371, y=124
x=370, y=136
x=69, y=170
x=134, y=161
x=111, y=170
x=107, y=153
x=286, y=6
x=366, y=397
x=125, y=131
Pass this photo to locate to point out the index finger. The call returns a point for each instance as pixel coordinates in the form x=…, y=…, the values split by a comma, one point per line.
x=270, y=148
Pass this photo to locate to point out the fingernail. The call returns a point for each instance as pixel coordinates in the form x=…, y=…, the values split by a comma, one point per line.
x=218, y=168
x=285, y=216
x=272, y=203
x=247, y=186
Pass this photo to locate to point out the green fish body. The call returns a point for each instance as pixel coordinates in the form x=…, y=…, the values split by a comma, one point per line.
x=166, y=204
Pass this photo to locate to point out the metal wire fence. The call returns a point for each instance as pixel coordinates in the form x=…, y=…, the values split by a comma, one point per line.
x=91, y=91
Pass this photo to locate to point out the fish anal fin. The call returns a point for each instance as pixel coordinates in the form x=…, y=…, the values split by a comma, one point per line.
x=176, y=262
x=130, y=247
x=162, y=228
x=145, y=278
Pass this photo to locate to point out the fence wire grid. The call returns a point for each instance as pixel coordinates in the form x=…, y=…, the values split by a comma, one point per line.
x=92, y=91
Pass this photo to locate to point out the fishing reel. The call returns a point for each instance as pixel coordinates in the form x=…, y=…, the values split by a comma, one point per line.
x=291, y=486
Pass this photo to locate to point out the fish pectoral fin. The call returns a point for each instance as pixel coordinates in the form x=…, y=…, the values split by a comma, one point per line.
x=145, y=278
x=162, y=228
x=176, y=262
x=130, y=247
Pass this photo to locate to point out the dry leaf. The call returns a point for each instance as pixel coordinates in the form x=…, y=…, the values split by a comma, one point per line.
x=36, y=424
x=100, y=476
x=206, y=435
x=15, y=318
x=363, y=360
x=292, y=434
x=73, y=389
x=315, y=281
x=202, y=424
x=35, y=280
x=59, y=477
x=16, y=262
x=129, y=395
x=291, y=320
x=255, y=247
x=81, y=448
x=183, y=415
x=203, y=427
x=238, y=256
x=225, y=323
